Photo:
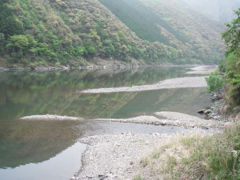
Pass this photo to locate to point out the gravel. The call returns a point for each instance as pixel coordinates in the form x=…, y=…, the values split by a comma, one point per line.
x=48, y=117
x=171, y=118
x=111, y=157
x=202, y=70
x=116, y=157
x=184, y=82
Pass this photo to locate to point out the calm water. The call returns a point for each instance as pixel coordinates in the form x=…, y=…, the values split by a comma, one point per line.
x=33, y=149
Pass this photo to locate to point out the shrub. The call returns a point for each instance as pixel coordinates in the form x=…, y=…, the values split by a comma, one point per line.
x=211, y=157
x=215, y=82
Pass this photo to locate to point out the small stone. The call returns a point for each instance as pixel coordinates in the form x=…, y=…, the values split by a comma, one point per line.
x=201, y=111
x=207, y=111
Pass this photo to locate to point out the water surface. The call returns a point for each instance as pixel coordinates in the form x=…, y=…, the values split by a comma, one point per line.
x=31, y=146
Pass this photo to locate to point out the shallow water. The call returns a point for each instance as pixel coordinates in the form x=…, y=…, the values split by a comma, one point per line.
x=60, y=167
x=29, y=146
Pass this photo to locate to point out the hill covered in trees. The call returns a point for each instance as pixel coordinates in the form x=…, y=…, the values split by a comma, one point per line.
x=173, y=24
x=76, y=32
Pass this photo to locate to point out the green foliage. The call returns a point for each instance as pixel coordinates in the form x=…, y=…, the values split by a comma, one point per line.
x=138, y=18
x=232, y=35
x=10, y=23
x=158, y=21
x=233, y=78
x=211, y=157
x=221, y=66
x=18, y=41
x=232, y=64
x=67, y=30
x=138, y=177
x=215, y=82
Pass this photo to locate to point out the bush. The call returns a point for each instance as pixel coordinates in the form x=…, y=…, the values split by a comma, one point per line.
x=215, y=157
x=232, y=67
x=215, y=82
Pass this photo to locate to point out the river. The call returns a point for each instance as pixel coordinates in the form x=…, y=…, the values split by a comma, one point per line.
x=49, y=149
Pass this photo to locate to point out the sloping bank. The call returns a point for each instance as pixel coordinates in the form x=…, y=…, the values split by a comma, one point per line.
x=123, y=157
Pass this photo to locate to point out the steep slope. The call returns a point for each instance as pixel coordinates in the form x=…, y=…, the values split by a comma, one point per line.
x=140, y=19
x=219, y=10
x=172, y=23
x=61, y=32
x=69, y=31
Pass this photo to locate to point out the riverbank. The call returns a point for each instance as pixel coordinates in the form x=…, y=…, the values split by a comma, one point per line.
x=129, y=156
x=163, y=118
x=117, y=157
x=105, y=65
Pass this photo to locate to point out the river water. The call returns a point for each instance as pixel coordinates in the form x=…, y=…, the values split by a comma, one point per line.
x=49, y=149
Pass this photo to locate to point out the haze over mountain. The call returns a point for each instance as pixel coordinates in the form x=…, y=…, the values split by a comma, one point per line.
x=79, y=32
x=219, y=10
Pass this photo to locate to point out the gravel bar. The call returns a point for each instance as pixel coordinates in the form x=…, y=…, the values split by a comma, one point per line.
x=115, y=157
x=48, y=117
x=183, y=82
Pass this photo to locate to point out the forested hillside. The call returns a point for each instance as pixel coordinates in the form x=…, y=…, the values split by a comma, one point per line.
x=219, y=10
x=76, y=32
x=173, y=24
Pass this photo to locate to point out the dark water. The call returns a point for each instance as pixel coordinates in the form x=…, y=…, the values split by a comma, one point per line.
x=29, y=148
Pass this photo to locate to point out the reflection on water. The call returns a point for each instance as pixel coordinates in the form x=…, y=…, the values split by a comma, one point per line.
x=23, y=142
x=183, y=100
x=30, y=93
x=53, y=169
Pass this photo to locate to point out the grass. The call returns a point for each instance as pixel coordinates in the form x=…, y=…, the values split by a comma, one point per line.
x=138, y=177
x=144, y=162
x=194, y=157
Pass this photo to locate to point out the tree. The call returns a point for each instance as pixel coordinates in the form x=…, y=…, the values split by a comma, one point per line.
x=2, y=43
x=10, y=24
x=215, y=82
x=232, y=35
x=232, y=64
x=17, y=44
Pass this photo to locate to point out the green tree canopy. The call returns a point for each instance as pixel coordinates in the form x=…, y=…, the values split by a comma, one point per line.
x=18, y=41
x=232, y=64
x=232, y=35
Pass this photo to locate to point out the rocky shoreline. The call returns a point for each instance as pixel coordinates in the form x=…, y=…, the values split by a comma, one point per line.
x=163, y=118
x=198, y=70
x=117, y=157
x=62, y=68
x=167, y=118
x=112, y=157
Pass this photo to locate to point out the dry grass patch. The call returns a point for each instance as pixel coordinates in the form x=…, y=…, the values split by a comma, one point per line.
x=196, y=157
